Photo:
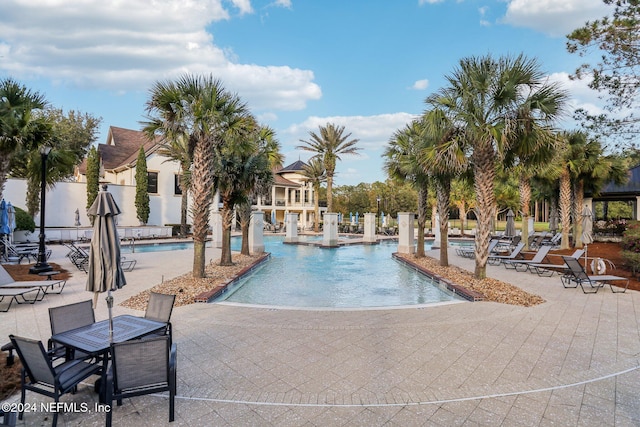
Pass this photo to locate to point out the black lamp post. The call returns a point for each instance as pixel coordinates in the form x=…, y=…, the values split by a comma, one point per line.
x=378, y=214
x=42, y=266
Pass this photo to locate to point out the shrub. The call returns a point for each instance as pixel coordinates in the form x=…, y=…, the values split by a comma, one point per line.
x=631, y=246
x=24, y=221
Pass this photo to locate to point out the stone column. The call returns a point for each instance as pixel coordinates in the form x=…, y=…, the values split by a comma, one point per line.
x=292, y=228
x=530, y=225
x=256, y=232
x=216, y=225
x=370, y=228
x=330, y=230
x=436, y=232
x=406, y=244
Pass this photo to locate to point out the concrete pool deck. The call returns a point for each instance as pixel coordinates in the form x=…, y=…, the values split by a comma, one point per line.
x=574, y=360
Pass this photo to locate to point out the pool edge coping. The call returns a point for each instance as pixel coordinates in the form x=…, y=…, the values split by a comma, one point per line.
x=468, y=294
x=214, y=293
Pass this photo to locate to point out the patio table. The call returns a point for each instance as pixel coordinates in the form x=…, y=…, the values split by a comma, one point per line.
x=94, y=338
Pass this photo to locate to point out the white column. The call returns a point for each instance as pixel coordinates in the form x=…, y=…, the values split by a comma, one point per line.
x=330, y=230
x=273, y=197
x=370, y=227
x=436, y=232
x=530, y=225
x=406, y=238
x=292, y=228
x=216, y=225
x=256, y=232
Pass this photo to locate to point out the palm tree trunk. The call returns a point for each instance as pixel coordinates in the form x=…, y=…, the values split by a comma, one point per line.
x=184, y=200
x=4, y=170
x=184, y=203
x=245, y=218
x=579, y=197
x=423, y=192
x=443, y=195
x=463, y=215
x=553, y=209
x=202, y=190
x=227, y=216
x=565, y=208
x=434, y=212
x=484, y=171
x=329, y=191
x=524, y=186
x=316, y=209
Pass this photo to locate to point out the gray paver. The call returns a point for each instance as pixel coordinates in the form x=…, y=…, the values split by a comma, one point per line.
x=483, y=364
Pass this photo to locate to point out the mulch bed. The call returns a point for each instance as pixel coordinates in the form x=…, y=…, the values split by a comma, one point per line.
x=610, y=251
x=10, y=375
x=20, y=272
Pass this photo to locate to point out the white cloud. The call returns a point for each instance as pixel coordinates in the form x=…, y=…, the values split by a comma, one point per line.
x=243, y=5
x=580, y=97
x=421, y=2
x=283, y=3
x=372, y=131
x=127, y=45
x=421, y=84
x=553, y=17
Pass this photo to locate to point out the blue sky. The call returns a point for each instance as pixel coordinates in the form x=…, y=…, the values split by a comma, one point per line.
x=367, y=65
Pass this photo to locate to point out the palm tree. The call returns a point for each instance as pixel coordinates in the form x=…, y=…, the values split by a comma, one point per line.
x=201, y=109
x=402, y=164
x=177, y=149
x=587, y=167
x=442, y=160
x=238, y=166
x=317, y=174
x=463, y=198
x=258, y=181
x=174, y=141
x=18, y=108
x=481, y=97
x=533, y=143
x=329, y=144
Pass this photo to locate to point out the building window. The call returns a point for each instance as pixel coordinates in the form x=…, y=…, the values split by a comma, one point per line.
x=297, y=196
x=152, y=186
x=177, y=190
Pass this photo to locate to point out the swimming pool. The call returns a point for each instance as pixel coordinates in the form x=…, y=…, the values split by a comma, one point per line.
x=345, y=277
x=156, y=247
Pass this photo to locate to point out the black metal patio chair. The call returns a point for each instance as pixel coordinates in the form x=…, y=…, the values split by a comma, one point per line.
x=576, y=275
x=142, y=367
x=40, y=376
x=66, y=317
x=159, y=308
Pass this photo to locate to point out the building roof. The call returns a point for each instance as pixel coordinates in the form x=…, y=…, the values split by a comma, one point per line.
x=297, y=166
x=283, y=182
x=630, y=188
x=121, y=150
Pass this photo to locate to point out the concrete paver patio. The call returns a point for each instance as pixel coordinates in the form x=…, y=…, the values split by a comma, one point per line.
x=573, y=360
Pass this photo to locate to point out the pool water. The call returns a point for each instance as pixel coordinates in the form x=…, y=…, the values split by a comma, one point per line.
x=156, y=247
x=347, y=277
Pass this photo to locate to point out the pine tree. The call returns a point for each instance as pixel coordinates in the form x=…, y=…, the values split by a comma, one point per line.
x=93, y=176
x=142, y=188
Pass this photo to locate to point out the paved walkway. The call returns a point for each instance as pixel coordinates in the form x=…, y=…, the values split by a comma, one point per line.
x=571, y=361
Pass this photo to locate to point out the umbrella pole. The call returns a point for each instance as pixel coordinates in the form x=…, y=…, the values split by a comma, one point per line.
x=110, y=305
x=95, y=300
x=586, y=250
